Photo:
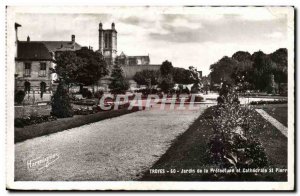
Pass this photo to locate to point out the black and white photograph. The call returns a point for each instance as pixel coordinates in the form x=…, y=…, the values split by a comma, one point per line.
x=150, y=98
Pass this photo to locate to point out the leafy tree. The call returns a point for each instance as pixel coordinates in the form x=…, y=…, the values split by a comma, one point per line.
x=61, y=106
x=118, y=84
x=223, y=70
x=241, y=56
x=147, y=77
x=166, y=80
x=167, y=83
x=83, y=67
x=263, y=69
x=68, y=66
x=251, y=71
x=93, y=68
x=166, y=68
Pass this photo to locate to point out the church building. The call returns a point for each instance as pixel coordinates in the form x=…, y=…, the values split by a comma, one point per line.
x=108, y=43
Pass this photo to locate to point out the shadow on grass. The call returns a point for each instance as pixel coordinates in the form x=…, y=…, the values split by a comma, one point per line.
x=187, y=154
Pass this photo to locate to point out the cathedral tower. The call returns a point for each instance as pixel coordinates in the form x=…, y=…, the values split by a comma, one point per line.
x=108, y=43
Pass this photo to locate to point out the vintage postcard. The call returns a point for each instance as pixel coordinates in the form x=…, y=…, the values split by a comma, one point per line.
x=150, y=98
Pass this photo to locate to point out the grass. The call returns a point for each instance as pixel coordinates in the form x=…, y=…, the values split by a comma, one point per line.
x=62, y=124
x=277, y=111
x=188, y=152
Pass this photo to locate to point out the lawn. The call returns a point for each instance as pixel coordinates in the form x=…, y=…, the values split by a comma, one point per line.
x=188, y=152
x=277, y=111
x=62, y=124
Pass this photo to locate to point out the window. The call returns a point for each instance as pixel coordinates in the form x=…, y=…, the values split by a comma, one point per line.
x=42, y=69
x=110, y=40
x=27, y=86
x=27, y=69
x=106, y=41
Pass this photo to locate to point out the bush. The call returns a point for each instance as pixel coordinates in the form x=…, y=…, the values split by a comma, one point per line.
x=32, y=120
x=233, y=145
x=186, y=90
x=61, y=106
x=19, y=96
x=98, y=94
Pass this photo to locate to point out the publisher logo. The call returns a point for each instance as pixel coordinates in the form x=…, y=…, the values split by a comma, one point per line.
x=42, y=162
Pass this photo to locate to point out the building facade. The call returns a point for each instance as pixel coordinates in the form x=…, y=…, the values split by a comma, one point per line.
x=32, y=71
x=108, y=45
x=33, y=63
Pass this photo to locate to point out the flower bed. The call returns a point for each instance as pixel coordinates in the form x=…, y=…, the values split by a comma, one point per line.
x=31, y=120
x=233, y=144
x=280, y=101
x=62, y=124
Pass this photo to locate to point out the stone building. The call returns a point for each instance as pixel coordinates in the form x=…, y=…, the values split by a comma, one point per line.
x=32, y=71
x=130, y=64
x=33, y=63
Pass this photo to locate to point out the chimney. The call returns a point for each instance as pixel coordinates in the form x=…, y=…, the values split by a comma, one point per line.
x=28, y=39
x=16, y=29
x=113, y=26
x=73, y=39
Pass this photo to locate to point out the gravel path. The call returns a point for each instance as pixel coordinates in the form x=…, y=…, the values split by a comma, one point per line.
x=115, y=149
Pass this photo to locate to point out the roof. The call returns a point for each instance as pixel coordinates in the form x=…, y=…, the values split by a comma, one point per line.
x=54, y=46
x=33, y=51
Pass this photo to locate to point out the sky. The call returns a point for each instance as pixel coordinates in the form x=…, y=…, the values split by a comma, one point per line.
x=187, y=37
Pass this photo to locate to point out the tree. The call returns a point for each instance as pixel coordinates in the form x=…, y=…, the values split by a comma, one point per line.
x=241, y=56
x=147, y=77
x=166, y=79
x=166, y=68
x=118, y=84
x=61, y=106
x=68, y=67
x=166, y=83
x=222, y=70
x=263, y=69
x=182, y=76
x=83, y=67
x=93, y=68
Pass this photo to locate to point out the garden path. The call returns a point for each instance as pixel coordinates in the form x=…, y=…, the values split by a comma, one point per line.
x=120, y=148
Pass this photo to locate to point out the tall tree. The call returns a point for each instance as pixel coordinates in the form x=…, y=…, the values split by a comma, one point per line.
x=93, y=68
x=68, y=67
x=222, y=70
x=119, y=84
x=166, y=80
x=61, y=106
x=166, y=68
x=83, y=67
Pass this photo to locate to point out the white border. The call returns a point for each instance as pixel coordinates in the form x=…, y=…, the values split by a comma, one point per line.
x=137, y=185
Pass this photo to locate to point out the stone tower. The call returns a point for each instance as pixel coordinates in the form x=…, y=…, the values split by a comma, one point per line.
x=108, y=43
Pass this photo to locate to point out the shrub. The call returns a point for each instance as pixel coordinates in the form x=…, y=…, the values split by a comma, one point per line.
x=186, y=90
x=32, y=120
x=98, y=94
x=233, y=145
x=61, y=106
x=19, y=96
